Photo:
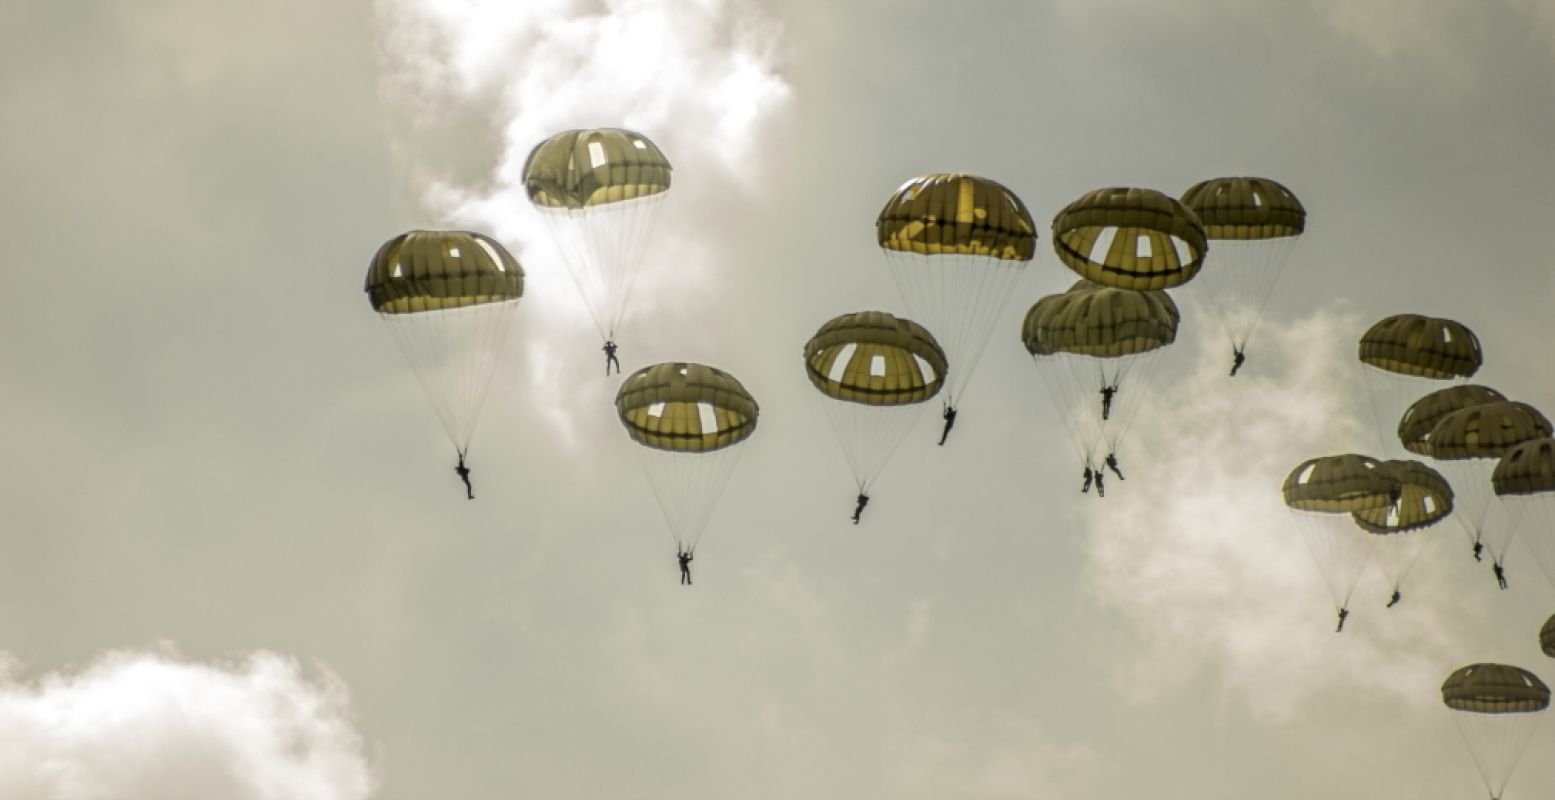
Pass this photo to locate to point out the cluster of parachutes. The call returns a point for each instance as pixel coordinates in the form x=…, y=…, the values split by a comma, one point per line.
x=1499, y=463
x=955, y=245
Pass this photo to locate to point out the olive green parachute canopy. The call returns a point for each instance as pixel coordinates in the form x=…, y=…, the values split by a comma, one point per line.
x=1547, y=637
x=579, y=169
x=1146, y=227
x=1095, y=320
x=1414, y=428
x=437, y=270
x=957, y=213
x=1335, y=484
x=1487, y=430
x=1424, y=499
x=1427, y=347
x=873, y=358
x=1495, y=689
x=1245, y=209
x=666, y=405
x=1528, y=468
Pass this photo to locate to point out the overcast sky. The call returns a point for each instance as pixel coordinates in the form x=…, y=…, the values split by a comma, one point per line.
x=235, y=563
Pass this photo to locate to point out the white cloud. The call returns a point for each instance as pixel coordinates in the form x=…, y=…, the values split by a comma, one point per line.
x=136, y=725
x=1198, y=552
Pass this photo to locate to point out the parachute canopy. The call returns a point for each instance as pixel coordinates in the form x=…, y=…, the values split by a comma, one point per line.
x=578, y=169
x=685, y=407
x=1487, y=430
x=1427, y=347
x=1341, y=483
x=1130, y=239
x=1495, y=689
x=1246, y=209
x=1095, y=320
x=956, y=213
x=435, y=270
x=1414, y=428
x=1424, y=499
x=873, y=358
x=1528, y=468
x=1547, y=637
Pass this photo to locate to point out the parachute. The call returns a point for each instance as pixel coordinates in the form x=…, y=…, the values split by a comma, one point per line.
x=956, y=245
x=688, y=419
x=876, y=371
x=1254, y=224
x=1496, y=707
x=1468, y=443
x=1524, y=479
x=1422, y=499
x=1095, y=348
x=599, y=192
x=1130, y=239
x=1414, y=428
x=1324, y=495
x=1407, y=355
x=447, y=297
x=1547, y=637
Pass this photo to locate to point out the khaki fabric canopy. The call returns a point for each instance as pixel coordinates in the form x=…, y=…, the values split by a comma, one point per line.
x=1246, y=209
x=1488, y=430
x=1427, y=347
x=579, y=169
x=1095, y=320
x=1528, y=468
x=1414, y=428
x=873, y=358
x=1341, y=483
x=663, y=406
x=1495, y=689
x=957, y=213
x=1424, y=499
x=435, y=270
x=1146, y=227
x=1547, y=637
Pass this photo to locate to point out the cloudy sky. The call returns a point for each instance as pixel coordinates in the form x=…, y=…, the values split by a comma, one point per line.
x=235, y=563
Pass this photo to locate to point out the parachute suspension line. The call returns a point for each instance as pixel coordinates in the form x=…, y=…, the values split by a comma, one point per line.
x=1497, y=743
x=603, y=248
x=454, y=354
x=1533, y=516
x=870, y=435
x=687, y=486
x=1391, y=394
x=1239, y=279
x=1479, y=512
x=958, y=298
x=1340, y=550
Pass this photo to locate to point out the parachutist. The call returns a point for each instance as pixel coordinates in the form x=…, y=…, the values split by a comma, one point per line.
x=1112, y=464
x=1393, y=601
x=1101, y=490
x=1479, y=547
x=685, y=566
x=950, y=422
x=1343, y=613
x=1106, y=400
x=610, y=356
x=1090, y=477
x=863, y=500
x=1500, y=574
x=1237, y=359
x=464, y=475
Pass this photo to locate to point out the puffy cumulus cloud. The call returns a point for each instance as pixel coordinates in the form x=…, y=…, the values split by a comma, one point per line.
x=1199, y=553
x=135, y=725
x=495, y=78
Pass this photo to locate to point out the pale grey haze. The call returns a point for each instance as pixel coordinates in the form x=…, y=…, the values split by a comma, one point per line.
x=236, y=563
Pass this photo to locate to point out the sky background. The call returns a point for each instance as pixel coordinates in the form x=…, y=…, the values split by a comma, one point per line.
x=234, y=562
